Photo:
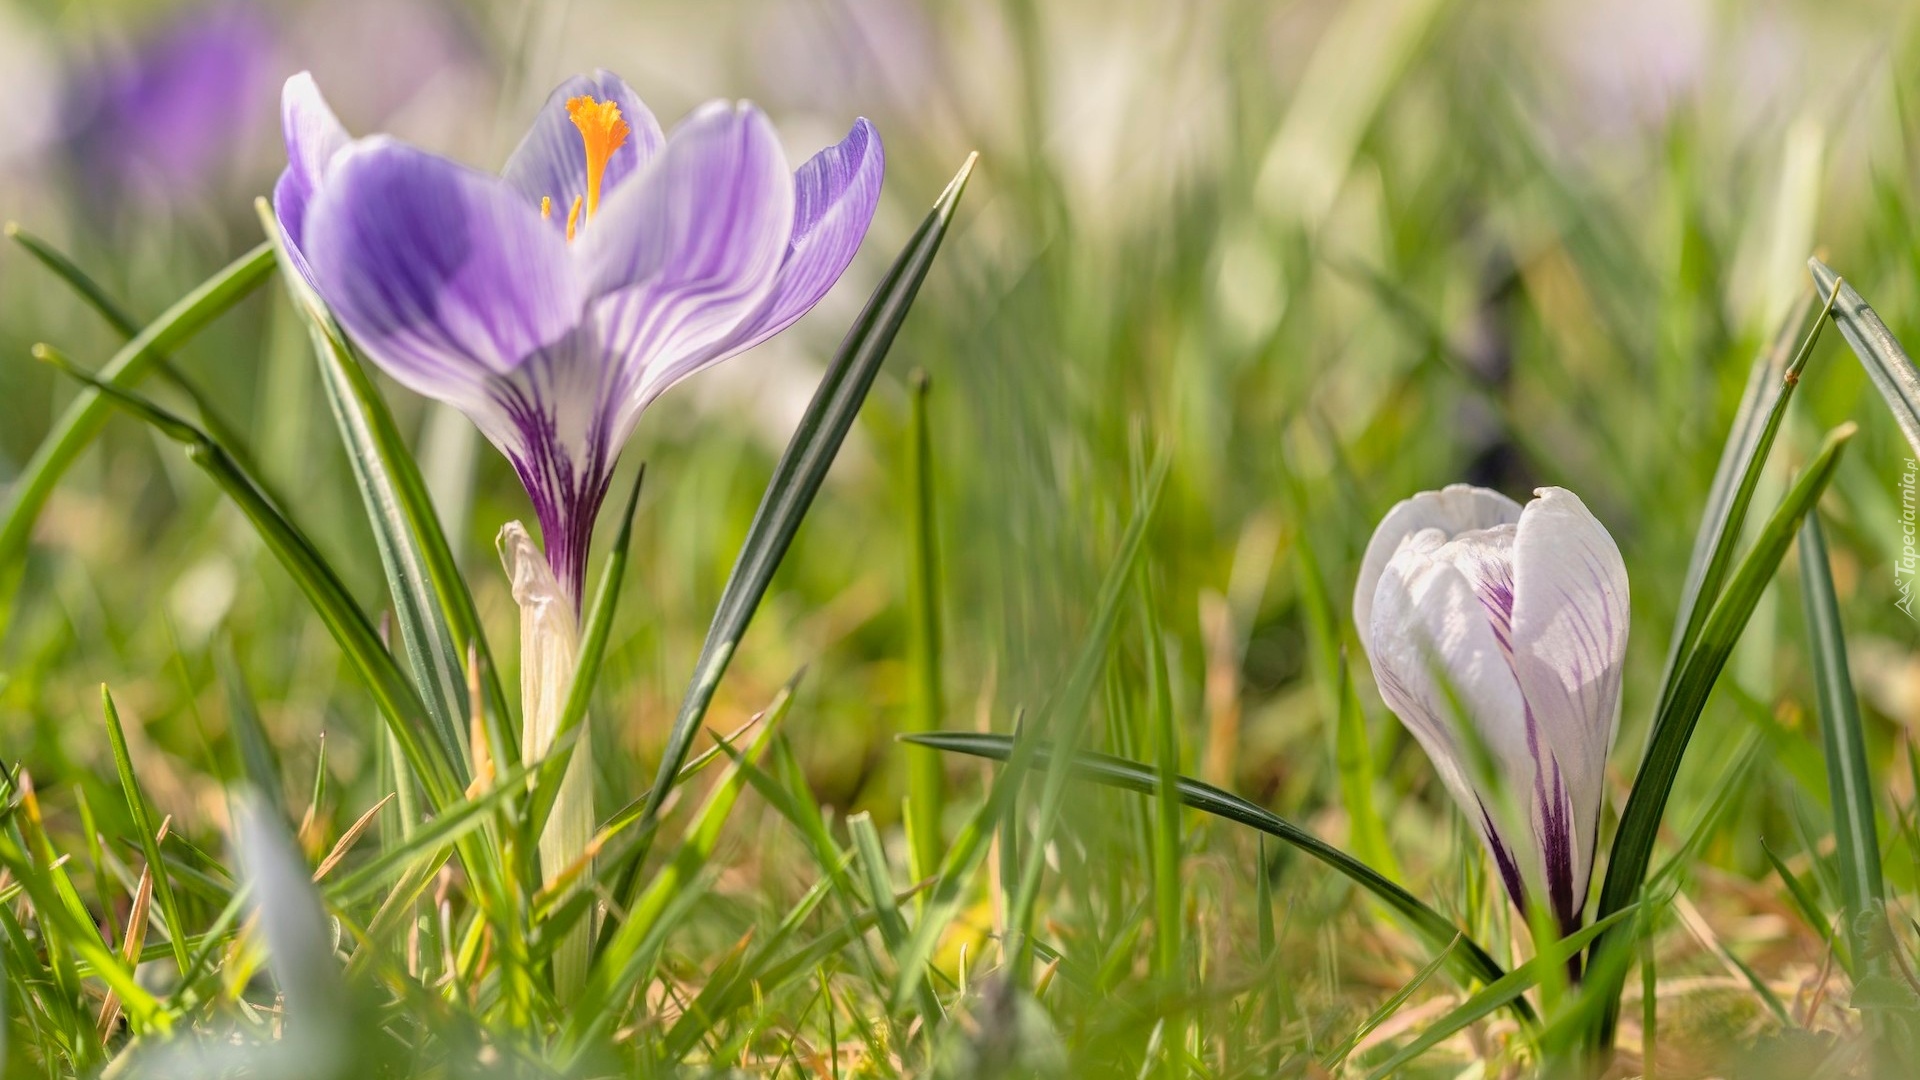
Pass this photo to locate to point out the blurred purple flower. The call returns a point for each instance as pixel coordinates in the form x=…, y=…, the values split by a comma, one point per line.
x=552, y=303
x=164, y=118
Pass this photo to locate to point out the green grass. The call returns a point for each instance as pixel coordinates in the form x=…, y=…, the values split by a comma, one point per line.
x=1075, y=506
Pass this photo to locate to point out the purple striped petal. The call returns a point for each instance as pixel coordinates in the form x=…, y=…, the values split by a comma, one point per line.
x=551, y=160
x=681, y=256
x=314, y=137
x=442, y=274
x=835, y=193
x=1569, y=638
x=1518, y=630
x=1440, y=647
x=1454, y=509
x=1438, y=664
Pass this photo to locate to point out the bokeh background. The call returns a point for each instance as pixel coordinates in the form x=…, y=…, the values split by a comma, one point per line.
x=1321, y=254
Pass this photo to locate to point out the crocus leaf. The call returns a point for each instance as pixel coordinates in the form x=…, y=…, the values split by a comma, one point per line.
x=1679, y=711
x=84, y=417
x=1886, y=362
x=1849, y=780
x=1469, y=958
x=392, y=691
x=432, y=605
x=124, y=324
x=1763, y=405
x=797, y=478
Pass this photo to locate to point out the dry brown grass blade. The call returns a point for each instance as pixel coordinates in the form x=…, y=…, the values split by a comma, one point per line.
x=349, y=838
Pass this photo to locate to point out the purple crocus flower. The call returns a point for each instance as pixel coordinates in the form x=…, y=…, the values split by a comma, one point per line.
x=1477, y=612
x=553, y=302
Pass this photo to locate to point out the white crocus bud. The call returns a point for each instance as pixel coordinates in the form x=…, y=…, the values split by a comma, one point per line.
x=1505, y=626
x=549, y=653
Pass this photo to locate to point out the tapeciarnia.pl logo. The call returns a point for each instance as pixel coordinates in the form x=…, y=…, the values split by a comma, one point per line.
x=1909, y=561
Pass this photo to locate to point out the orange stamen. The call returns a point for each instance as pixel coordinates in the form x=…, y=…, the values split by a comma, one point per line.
x=603, y=132
x=573, y=218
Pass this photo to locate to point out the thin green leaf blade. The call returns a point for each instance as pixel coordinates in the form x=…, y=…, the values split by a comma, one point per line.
x=149, y=836
x=926, y=778
x=1673, y=724
x=392, y=690
x=1849, y=780
x=1755, y=425
x=798, y=476
x=88, y=412
x=357, y=411
x=1879, y=351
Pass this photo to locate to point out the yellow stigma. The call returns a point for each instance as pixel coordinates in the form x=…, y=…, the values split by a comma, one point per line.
x=603, y=132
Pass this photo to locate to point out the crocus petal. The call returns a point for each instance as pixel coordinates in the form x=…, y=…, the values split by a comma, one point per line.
x=1569, y=638
x=681, y=256
x=314, y=137
x=442, y=274
x=551, y=161
x=1438, y=664
x=835, y=193
x=1453, y=510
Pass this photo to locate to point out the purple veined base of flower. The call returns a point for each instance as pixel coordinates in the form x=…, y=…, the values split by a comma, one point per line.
x=551, y=304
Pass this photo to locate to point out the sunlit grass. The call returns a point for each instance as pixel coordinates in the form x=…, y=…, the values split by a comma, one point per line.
x=1192, y=329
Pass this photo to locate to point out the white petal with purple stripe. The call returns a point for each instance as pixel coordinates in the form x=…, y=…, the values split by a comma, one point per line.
x=1492, y=625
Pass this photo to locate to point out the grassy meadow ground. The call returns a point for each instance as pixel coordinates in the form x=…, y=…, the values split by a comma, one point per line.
x=1228, y=280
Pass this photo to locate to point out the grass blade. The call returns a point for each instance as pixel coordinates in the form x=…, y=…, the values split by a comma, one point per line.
x=925, y=775
x=1886, y=362
x=1501, y=992
x=1166, y=845
x=295, y=925
x=1849, y=781
x=1680, y=710
x=796, y=479
x=1334, y=1058
x=123, y=323
x=1065, y=718
x=316, y=579
x=149, y=836
x=1471, y=960
x=621, y=965
x=88, y=412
